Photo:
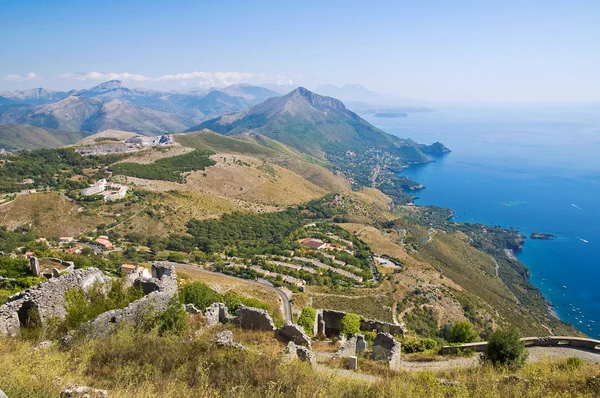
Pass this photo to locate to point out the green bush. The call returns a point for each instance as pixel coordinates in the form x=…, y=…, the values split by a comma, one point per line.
x=307, y=319
x=350, y=325
x=174, y=319
x=574, y=362
x=416, y=344
x=168, y=169
x=505, y=348
x=199, y=294
x=461, y=332
x=370, y=336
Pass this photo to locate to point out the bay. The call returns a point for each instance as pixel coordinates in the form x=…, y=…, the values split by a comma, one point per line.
x=536, y=168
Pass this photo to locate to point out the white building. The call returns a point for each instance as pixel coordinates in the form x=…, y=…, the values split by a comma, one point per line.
x=116, y=195
x=95, y=189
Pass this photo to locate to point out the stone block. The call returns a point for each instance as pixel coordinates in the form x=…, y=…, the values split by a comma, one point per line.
x=83, y=392
x=352, y=363
x=254, y=318
x=295, y=333
x=386, y=348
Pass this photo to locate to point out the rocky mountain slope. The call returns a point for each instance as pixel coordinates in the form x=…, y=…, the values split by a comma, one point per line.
x=114, y=105
x=314, y=124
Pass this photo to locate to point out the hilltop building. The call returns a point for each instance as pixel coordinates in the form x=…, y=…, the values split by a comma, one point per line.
x=95, y=189
x=109, y=190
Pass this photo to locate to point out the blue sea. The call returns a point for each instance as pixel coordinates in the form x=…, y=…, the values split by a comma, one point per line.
x=536, y=168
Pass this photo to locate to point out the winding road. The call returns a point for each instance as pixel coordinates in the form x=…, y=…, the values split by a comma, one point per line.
x=286, y=303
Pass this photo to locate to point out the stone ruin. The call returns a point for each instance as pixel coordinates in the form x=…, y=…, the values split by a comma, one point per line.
x=254, y=318
x=329, y=323
x=386, y=348
x=158, y=290
x=35, y=306
x=293, y=351
x=354, y=346
x=257, y=319
x=295, y=333
x=60, y=267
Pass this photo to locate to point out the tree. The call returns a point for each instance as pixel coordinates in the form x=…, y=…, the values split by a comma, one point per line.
x=307, y=319
x=505, y=348
x=461, y=332
x=350, y=325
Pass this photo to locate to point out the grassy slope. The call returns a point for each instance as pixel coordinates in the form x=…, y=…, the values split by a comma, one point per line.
x=135, y=365
x=31, y=137
x=50, y=214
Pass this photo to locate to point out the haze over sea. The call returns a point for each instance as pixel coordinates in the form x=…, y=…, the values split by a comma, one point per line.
x=533, y=168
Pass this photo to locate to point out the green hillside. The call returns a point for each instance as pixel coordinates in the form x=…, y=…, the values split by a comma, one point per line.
x=24, y=136
x=312, y=124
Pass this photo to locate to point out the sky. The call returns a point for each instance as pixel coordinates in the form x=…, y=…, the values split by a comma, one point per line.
x=435, y=50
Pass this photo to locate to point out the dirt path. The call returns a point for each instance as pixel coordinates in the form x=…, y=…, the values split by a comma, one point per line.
x=497, y=267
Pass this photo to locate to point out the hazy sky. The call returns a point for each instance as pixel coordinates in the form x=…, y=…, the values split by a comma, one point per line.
x=434, y=50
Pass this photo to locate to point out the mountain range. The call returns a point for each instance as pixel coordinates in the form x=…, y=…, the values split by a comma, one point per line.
x=112, y=105
x=313, y=124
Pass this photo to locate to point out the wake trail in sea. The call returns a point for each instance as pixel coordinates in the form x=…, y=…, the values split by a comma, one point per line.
x=583, y=240
x=581, y=208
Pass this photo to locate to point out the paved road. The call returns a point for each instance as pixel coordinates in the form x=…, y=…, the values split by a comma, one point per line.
x=287, y=304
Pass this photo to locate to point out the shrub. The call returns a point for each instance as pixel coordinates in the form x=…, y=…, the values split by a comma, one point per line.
x=199, y=294
x=307, y=319
x=174, y=319
x=574, y=362
x=350, y=325
x=415, y=344
x=370, y=336
x=461, y=332
x=505, y=348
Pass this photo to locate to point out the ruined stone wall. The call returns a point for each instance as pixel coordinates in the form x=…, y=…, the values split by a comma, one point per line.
x=159, y=291
x=329, y=323
x=44, y=301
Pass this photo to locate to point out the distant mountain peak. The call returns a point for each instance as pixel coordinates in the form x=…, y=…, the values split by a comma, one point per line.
x=320, y=102
x=107, y=86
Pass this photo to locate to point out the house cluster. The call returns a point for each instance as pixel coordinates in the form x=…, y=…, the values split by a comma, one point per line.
x=109, y=190
x=102, y=242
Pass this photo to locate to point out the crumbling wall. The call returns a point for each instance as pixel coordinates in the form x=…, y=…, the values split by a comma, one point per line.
x=295, y=333
x=353, y=346
x=254, y=318
x=329, y=323
x=164, y=287
x=44, y=301
x=386, y=348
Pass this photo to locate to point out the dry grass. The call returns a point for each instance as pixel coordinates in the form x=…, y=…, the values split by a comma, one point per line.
x=247, y=182
x=50, y=214
x=118, y=134
x=171, y=211
x=131, y=365
x=151, y=155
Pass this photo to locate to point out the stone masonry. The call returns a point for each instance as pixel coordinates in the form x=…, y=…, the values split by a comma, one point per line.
x=295, y=333
x=44, y=301
x=329, y=323
x=254, y=318
x=353, y=346
x=155, y=302
x=386, y=348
